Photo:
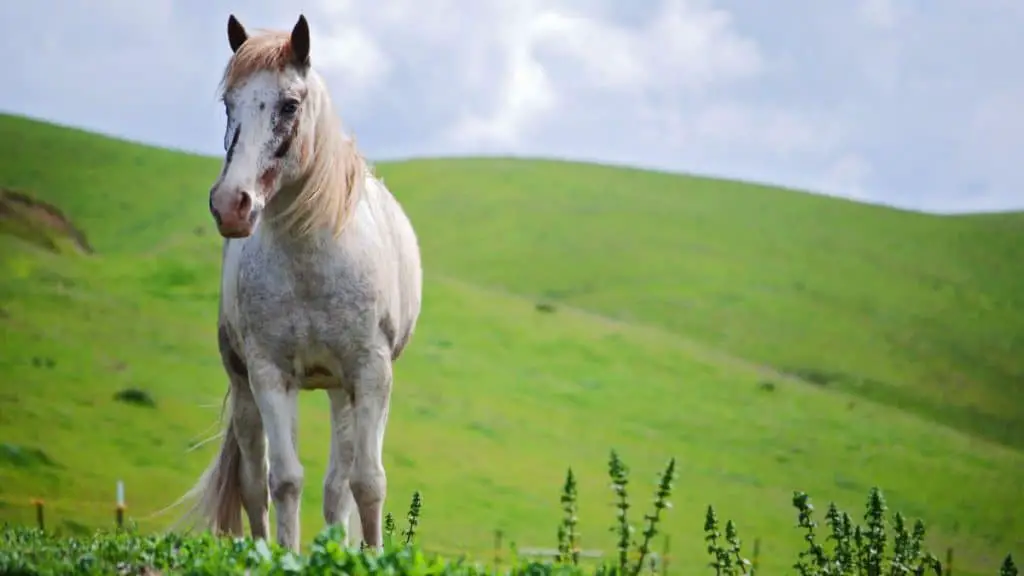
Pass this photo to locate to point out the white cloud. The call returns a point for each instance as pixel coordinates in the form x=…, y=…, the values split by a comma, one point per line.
x=352, y=55
x=525, y=90
x=683, y=45
x=865, y=98
x=681, y=48
x=525, y=95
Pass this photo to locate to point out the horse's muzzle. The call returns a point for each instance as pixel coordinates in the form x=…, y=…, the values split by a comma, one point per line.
x=236, y=217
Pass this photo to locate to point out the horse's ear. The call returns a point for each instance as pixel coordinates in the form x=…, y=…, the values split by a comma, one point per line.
x=236, y=33
x=300, y=42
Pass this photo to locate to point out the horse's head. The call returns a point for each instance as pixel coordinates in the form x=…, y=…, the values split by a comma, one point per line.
x=270, y=123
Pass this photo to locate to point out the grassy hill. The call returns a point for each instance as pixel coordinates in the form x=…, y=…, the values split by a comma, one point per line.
x=771, y=340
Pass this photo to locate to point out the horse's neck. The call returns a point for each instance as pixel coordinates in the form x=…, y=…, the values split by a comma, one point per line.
x=274, y=228
x=305, y=245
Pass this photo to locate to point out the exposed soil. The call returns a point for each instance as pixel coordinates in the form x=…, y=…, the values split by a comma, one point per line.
x=38, y=221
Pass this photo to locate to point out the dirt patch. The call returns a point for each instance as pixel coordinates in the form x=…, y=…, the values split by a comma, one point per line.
x=38, y=222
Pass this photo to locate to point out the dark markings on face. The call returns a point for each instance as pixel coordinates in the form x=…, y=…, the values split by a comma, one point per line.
x=231, y=148
x=284, y=122
x=285, y=127
x=282, y=149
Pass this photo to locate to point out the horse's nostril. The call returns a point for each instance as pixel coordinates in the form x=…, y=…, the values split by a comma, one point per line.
x=245, y=202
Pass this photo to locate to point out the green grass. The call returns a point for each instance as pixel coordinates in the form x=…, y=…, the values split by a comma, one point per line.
x=893, y=343
x=885, y=542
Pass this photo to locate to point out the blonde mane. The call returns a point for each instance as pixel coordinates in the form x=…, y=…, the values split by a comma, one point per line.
x=333, y=174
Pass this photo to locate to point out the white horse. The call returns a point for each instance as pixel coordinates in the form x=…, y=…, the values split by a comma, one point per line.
x=321, y=288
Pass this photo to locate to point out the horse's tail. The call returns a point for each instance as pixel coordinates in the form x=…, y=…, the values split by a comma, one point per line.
x=218, y=492
x=217, y=497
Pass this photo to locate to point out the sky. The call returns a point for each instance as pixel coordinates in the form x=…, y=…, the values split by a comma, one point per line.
x=909, y=103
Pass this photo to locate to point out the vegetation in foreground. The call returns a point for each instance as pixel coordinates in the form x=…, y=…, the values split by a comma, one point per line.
x=882, y=545
x=770, y=338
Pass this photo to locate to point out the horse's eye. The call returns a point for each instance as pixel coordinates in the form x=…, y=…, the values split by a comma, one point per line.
x=290, y=107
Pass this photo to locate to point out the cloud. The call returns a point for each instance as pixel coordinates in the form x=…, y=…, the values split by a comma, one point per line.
x=556, y=56
x=351, y=54
x=873, y=99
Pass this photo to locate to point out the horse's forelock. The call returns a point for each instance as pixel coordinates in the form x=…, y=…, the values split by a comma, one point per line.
x=268, y=50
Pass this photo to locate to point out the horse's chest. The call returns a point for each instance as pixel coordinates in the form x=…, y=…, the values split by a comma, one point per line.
x=292, y=306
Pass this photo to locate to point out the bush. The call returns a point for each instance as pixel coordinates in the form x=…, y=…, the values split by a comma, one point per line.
x=136, y=397
x=854, y=550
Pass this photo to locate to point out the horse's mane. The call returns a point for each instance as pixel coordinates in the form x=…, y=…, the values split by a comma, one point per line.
x=333, y=173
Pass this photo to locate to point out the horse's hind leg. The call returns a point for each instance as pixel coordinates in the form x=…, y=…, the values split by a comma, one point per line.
x=372, y=384
x=338, y=499
x=277, y=406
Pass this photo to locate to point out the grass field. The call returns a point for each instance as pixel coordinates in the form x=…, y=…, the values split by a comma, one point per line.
x=770, y=340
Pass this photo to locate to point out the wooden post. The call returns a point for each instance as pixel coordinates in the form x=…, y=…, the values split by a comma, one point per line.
x=39, y=513
x=948, y=568
x=120, y=504
x=757, y=556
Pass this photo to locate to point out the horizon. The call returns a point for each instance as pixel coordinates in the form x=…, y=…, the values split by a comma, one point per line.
x=526, y=158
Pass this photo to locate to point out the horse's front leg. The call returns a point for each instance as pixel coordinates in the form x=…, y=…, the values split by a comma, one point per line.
x=278, y=410
x=338, y=501
x=369, y=484
x=248, y=430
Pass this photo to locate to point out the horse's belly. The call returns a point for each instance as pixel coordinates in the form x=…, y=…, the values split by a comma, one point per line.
x=317, y=368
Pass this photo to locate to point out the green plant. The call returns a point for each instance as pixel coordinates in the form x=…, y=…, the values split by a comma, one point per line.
x=413, y=517
x=1008, y=568
x=860, y=550
x=726, y=558
x=652, y=519
x=568, y=538
x=619, y=473
x=389, y=529
x=854, y=550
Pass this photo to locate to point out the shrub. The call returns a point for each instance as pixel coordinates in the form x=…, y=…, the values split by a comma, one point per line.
x=136, y=396
x=854, y=550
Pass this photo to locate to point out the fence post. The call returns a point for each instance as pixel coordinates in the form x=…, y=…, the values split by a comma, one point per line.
x=39, y=513
x=757, y=556
x=949, y=562
x=119, y=516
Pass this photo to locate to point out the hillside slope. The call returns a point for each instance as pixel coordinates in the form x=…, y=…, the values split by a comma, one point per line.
x=677, y=300
x=920, y=312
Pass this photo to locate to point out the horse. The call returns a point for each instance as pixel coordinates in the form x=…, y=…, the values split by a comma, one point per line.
x=321, y=288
